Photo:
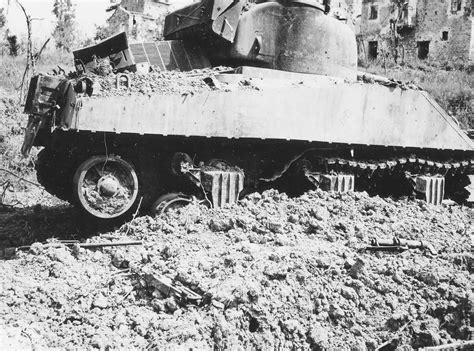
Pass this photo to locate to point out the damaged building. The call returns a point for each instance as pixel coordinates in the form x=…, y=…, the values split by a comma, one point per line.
x=439, y=30
x=349, y=9
x=140, y=19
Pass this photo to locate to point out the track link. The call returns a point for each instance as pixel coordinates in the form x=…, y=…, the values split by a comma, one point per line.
x=396, y=176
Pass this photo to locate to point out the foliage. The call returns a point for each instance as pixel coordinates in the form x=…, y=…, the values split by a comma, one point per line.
x=115, y=24
x=452, y=89
x=103, y=32
x=11, y=68
x=65, y=31
x=10, y=73
x=13, y=46
x=3, y=18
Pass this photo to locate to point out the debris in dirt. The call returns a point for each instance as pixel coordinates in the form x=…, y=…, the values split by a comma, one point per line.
x=100, y=301
x=318, y=336
x=459, y=346
x=157, y=82
x=165, y=286
x=35, y=246
x=38, y=248
x=394, y=340
x=357, y=269
x=397, y=244
x=221, y=224
x=268, y=278
x=389, y=82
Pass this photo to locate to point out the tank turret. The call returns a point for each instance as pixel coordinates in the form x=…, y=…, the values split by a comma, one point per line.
x=295, y=36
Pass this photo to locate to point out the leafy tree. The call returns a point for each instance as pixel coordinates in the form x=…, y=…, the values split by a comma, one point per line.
x=65, y=31
x=116, y=23
x=13, y=45
x=3, y=18
x=103, y=32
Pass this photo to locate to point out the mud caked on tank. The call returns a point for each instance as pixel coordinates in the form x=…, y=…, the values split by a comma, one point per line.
x=239, y=97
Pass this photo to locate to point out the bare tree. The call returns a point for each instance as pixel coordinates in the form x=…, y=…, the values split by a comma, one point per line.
x=31, y=58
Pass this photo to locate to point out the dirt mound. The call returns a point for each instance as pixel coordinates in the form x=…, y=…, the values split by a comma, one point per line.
x=272, y=272
x=157, y=82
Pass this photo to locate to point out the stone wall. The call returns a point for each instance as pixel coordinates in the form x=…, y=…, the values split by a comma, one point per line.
x=141, y=19
x=373, y=27
x=441, y=29
x=152, y=8
x=133, y=5
x=155, y=8
x=435, y=17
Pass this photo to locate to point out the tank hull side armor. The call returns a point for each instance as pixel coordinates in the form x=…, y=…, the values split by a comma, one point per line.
x=314, y=108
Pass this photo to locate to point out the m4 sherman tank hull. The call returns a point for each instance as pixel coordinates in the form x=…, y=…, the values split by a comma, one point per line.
x=283, y=106
x=252, y=129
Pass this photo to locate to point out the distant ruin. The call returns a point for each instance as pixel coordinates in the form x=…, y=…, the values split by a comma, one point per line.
x=142, y=20
x=439, y=30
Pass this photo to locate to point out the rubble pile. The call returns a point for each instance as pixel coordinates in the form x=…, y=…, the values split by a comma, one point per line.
x=157, y=82
x=270, y=272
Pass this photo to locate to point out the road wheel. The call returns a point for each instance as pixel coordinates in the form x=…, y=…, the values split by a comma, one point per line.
x=106, y=187
x=172, y=201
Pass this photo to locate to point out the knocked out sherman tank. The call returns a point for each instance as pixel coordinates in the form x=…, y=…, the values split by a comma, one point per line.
x=286, y=109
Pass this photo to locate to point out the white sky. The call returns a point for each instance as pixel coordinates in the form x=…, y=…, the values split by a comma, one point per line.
x=89, y=13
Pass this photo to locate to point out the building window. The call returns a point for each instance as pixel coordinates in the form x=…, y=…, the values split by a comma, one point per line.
x=373, y=49
x=445, y=35
x=374, y=12
x=423, y=49
x=456, y=5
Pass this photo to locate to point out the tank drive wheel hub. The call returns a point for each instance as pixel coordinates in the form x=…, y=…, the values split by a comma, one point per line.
x=106, y=187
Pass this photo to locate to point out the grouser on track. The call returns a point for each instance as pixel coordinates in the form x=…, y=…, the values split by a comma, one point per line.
x=239, y=98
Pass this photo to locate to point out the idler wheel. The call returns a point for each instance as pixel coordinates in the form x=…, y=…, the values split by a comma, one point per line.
x=105, y=187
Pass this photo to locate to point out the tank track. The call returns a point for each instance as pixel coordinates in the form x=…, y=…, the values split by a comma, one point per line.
x=393, y=176
x=385, y=177
x=403, y=163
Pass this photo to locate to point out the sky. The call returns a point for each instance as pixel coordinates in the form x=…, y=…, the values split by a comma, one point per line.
x=89, y=13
